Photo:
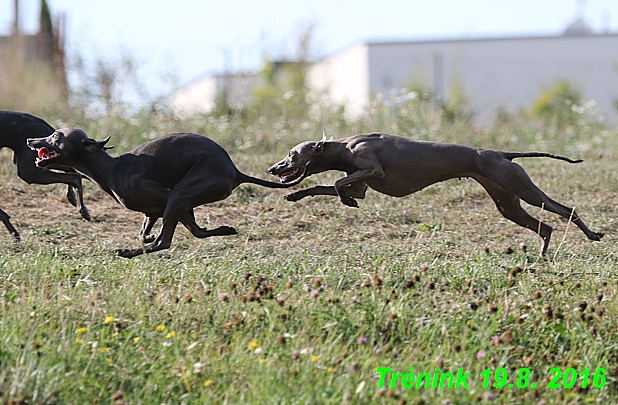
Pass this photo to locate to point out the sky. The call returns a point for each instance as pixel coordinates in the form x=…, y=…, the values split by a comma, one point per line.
x=175, y=42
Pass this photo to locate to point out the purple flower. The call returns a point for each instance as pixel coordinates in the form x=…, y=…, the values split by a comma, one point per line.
x=480, y=354
x=223, y=296
x=314, y=293
x=488, y=395
x=378, y=351
x=362, y=340
x=295, y=354
x=425, y=266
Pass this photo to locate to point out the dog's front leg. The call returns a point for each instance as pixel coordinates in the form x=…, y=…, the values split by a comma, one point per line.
x=356, y=190
x=356, y=178
x=35, y=175
x=149, y=222
x=310, y=192
x=162, y=241
x=4, y=217
x=129, y=253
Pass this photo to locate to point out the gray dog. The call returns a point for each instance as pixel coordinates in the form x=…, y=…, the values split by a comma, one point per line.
x=399, y=166
x=165, y=178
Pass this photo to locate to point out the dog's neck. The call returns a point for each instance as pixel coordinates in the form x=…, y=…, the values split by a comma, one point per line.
x=334, y=156
x=98, y=167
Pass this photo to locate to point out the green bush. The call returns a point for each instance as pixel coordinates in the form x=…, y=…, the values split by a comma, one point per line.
x=558, y=104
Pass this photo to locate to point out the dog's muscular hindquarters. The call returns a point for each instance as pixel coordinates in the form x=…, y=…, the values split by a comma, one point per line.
x=399, y=166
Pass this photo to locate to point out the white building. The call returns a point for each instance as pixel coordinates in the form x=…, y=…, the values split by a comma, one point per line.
x=202, y=94
x=493, y=73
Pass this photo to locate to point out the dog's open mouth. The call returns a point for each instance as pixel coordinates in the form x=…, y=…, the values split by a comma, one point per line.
x=289, y=175
x=45, y=155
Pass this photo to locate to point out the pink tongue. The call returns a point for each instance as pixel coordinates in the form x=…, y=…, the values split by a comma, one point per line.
x=43, y=153
x=286, y=173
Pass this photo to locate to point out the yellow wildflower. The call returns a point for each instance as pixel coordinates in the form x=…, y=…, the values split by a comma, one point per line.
x=81, y=330
x=254, y=345
x=160, y=328
x=170, y=335
x=315, y=358
x=262, y=361
x=136, y=339
x=105, y=350
x=79, y=341
x=110, y=319
x=108, y=359
x=207, y=382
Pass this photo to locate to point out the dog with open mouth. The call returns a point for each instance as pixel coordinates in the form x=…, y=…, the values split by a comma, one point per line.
x=43, y=155
x=164, y=178
x=399, y=166
x=15, y=128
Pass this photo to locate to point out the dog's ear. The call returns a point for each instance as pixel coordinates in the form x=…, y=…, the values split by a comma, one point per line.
x=94, y=144
x=319, y=145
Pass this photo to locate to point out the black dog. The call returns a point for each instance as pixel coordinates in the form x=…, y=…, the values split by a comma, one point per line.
x=165, y=178
x=15, y=128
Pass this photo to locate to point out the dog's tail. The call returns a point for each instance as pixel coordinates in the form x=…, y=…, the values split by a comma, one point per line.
x=513, y=155
x=243, y=178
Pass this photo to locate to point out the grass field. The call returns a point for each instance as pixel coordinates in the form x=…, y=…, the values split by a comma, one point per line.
x=310, y=298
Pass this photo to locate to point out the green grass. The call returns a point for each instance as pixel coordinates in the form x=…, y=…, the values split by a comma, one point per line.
x=437, y=279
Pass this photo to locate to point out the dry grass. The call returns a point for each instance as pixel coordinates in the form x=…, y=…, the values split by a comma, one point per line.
x=437, y=279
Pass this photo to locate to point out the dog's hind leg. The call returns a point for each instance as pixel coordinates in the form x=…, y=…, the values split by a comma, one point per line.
x=513, y=177
x=509, y=206
x=191, y=192
x=188, y=220
x=5, y=218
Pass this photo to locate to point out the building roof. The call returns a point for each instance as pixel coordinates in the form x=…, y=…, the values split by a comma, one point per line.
x=578, y=28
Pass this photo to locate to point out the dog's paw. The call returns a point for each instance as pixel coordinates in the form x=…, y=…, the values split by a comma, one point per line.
x=85, y=213
x=292, y=197
x=71, y=196
x=228, y=230
x=349, y=201
x=149, y=238
x=596, y=236
x=128, y=253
